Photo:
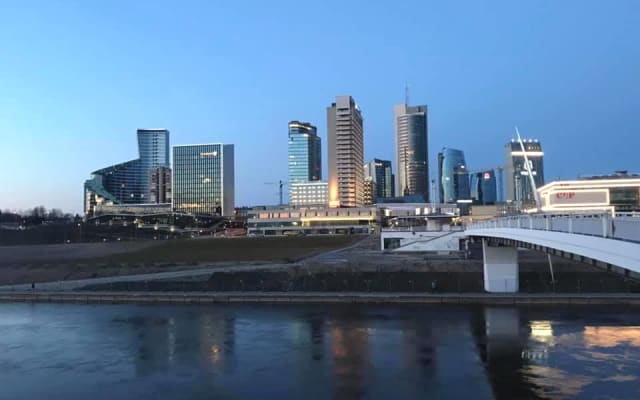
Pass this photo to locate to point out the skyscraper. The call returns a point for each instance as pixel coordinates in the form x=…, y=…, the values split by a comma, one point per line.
x=484, y=188
x=412, y=147
x=203, y=179
x=128, y=182
x=379, y=171
x=453, y=176
x=305, y=159
x=518, y=184
x=153, y=145
x=345, y=151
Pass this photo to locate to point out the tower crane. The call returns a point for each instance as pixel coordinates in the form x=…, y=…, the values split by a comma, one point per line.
x=280, y=184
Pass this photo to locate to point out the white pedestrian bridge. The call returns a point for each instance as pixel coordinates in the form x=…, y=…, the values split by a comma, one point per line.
x=611, y=241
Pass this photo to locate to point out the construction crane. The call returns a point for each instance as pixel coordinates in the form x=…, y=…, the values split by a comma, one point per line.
x=280, y=186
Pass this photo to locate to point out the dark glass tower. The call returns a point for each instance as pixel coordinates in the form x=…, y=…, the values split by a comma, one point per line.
x=453, y=176
x=484, y=188
x=412, y=146
x=379, y=171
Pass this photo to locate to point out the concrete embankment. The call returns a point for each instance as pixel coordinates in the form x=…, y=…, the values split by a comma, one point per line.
x=323, y=297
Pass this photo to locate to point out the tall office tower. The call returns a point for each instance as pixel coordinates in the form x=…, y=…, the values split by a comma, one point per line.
x=518, y=184
x=412, y=149
x=484, y=188
x=203, y=179
x=345, y=153
x=453, y=176
x=305, y=159
x=160, y=185
x=153, y=145
x=380, y=172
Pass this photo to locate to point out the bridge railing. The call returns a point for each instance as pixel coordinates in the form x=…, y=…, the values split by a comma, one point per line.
x=621, y=226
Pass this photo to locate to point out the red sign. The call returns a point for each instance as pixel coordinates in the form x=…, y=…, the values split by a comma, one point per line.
x=487, y=176
x=565, y=195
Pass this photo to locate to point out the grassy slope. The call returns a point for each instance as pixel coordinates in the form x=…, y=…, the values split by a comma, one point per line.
x=231, y=249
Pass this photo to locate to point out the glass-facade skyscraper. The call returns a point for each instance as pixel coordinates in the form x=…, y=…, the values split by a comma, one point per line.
x=412, y=149
x=129, y=182
x=484, y=188
x=518, y=184
x=379, y=171
x=305, y=157
x=153, y=146
x=203, y=179
x=453, y=176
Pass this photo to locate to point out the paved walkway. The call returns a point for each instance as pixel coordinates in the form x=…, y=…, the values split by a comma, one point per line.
x=325, y=297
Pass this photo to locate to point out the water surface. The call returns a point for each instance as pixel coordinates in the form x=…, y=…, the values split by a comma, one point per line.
x=70, y=351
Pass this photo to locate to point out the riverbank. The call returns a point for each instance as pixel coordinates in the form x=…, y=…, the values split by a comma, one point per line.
x=323, y=298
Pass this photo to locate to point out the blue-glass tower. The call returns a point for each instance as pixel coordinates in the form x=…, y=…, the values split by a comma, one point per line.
x=484, y=188
x=304, y=153
x=453, y=176
x=128, y=182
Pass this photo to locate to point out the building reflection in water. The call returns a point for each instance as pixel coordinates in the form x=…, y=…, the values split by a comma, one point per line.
x=161, y=342
x=611, y=336
x=349, y=350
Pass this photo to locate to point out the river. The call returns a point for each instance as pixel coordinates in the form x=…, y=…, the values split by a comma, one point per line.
x=72, y=351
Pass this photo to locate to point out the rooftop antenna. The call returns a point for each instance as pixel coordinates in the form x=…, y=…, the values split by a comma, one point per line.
x=406, y=94
x=527, y=166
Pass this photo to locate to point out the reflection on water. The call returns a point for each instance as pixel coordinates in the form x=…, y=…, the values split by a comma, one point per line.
x=61, y=351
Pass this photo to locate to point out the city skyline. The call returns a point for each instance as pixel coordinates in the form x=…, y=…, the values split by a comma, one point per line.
x=74, y=105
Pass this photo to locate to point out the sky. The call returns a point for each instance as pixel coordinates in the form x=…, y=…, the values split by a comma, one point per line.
x=77, y=78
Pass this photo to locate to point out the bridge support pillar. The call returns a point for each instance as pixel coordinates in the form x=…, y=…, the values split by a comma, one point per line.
x=500, y=268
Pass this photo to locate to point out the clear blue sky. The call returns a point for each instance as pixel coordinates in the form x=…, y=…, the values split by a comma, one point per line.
x=77, y=78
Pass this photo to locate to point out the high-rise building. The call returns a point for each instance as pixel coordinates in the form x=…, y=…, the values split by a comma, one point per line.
x=203, y=179
x=305, y=157
x=128, y=182
x=160, y=185
x=153, y=145
x=345, y=153
x=412, y=149
x=484, y=188
x=518, y=184
x=380, y=173
x=453, y=176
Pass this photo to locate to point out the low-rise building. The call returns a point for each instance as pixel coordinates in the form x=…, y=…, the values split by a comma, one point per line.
x=312, y=221
x=619, y=192
x=309, y=194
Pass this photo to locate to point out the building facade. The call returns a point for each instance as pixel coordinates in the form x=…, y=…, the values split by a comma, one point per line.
x=203, y=179
x=453, y=176
x=309, y=194
x=153, y=145
x=345, y=149
x=518, y=184
x=619, y=192
x=369, y=191
x=128, y=182
x=412, y=149
x=484, y=188
x=380, y=172
x=305, y=156
x=160, y=185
